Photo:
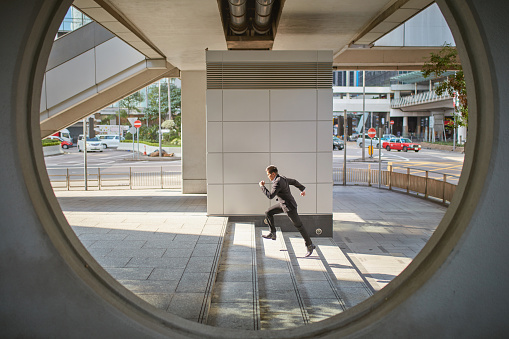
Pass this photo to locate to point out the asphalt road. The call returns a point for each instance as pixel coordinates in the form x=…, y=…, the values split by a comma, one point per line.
x=443, y=162
x=436, y=161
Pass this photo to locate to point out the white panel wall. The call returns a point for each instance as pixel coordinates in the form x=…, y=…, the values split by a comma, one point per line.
x=113, y=57
x=90, y=72
x=249, y=129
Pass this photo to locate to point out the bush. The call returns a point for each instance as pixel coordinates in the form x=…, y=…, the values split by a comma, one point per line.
x=50, y=142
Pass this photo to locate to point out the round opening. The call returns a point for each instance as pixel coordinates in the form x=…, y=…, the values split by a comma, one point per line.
x=418, y=272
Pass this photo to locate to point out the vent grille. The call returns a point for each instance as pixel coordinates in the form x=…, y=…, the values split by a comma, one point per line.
x=269, y=75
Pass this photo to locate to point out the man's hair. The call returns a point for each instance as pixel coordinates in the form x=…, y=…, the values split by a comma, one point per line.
x=271, y=169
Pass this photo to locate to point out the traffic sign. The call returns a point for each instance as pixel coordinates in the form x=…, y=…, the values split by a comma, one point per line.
x=392, y=122
x=371, y=132
x=132, y=130
x=137, y=124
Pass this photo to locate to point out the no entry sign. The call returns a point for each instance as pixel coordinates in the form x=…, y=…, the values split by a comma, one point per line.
x=371, y=132
x=137, y=124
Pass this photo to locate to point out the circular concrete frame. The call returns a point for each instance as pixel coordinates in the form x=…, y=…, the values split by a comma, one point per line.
x=74, y=295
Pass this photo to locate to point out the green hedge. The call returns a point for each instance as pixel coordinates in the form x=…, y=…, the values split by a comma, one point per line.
x=50, y=142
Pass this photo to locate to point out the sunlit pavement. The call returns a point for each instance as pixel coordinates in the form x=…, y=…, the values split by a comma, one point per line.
x=162, y=246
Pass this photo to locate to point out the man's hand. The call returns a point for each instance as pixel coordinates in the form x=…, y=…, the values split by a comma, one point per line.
x=303, y=193
x=262, y=183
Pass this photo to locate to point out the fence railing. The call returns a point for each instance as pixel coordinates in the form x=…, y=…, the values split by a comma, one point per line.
x=127, y=177
x=415, y=181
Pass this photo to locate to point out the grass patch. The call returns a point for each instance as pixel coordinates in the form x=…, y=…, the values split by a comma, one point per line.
x=446, y=143
x=151, y=143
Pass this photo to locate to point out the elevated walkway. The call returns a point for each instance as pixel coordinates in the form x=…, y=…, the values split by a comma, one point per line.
x=89, y=69
x=425, y=101
x=163, y=247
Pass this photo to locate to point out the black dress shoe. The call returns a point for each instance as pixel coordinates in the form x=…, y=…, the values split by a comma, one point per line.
x=269, y=236
x=310, y=250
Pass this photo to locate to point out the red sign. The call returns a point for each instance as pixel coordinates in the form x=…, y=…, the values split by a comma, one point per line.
x=392, y=122
x=371, y=132
x=137, y=124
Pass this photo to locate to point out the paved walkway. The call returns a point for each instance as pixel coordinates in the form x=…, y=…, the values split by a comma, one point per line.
x=162, y=246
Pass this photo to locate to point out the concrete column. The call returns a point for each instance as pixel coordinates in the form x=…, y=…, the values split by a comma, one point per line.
x=405, y=126
x=193, y=132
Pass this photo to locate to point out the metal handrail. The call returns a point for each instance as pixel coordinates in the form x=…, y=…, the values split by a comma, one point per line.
x=430, y=187
x=131, y=178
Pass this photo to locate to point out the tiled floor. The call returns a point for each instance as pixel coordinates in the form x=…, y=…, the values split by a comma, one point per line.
x=163, y=247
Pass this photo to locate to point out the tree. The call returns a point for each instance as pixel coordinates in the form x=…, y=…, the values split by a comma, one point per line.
x=130, y=103
x=445, y=60
x=152, y=110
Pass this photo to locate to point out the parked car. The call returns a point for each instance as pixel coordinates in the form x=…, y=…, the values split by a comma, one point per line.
x=401, y=144
x=368, y=141
x=109, y=141
x=337, y=143
x=65, y=144
x=93, y=144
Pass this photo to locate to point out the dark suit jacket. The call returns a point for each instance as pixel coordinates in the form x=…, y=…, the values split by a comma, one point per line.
x=281, y=190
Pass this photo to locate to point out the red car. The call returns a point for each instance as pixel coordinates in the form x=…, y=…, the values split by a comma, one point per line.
x=401, y=144
x=64, y=143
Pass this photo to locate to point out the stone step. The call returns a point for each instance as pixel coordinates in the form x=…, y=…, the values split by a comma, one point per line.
x=235, y=297
x=281, y=302
x=265, y=284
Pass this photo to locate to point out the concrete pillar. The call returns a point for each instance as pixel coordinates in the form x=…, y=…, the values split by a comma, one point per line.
x=194, y=179
x=405, y=126
x=251, y=128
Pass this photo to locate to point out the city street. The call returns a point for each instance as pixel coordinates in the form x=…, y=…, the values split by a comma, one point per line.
x=444, y=162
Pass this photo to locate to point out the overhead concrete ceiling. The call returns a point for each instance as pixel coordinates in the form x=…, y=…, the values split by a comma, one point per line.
x=181, y=30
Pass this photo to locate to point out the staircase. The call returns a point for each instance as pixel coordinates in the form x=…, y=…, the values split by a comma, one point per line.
x=264, y=284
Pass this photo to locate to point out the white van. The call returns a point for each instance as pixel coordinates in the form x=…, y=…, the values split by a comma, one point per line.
x=109, y=141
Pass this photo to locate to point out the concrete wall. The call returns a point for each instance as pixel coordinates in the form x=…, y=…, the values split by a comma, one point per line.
x=193, y=132
x=427, y=28
x=456, y=287
x=249, y=129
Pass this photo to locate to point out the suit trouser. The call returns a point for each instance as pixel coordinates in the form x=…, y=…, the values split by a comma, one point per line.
x=294, y=217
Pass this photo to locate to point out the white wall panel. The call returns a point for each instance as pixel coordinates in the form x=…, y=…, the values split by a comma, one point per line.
x=114, y=56
x=214, y=136
x=215, y=168
x=43, y=94
x=324, y=198
x=215, y=199
x=246, y=105
x=293, y=104
x=214, y=105
x=245, y=199
x=242, y=168
x=324, y=167
x=269, y=120
x=324, y=97
x=324, y=136
x=305, y=204
x=293, y=136
x=299, y=166
x=245, y=137
x=70, y=78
